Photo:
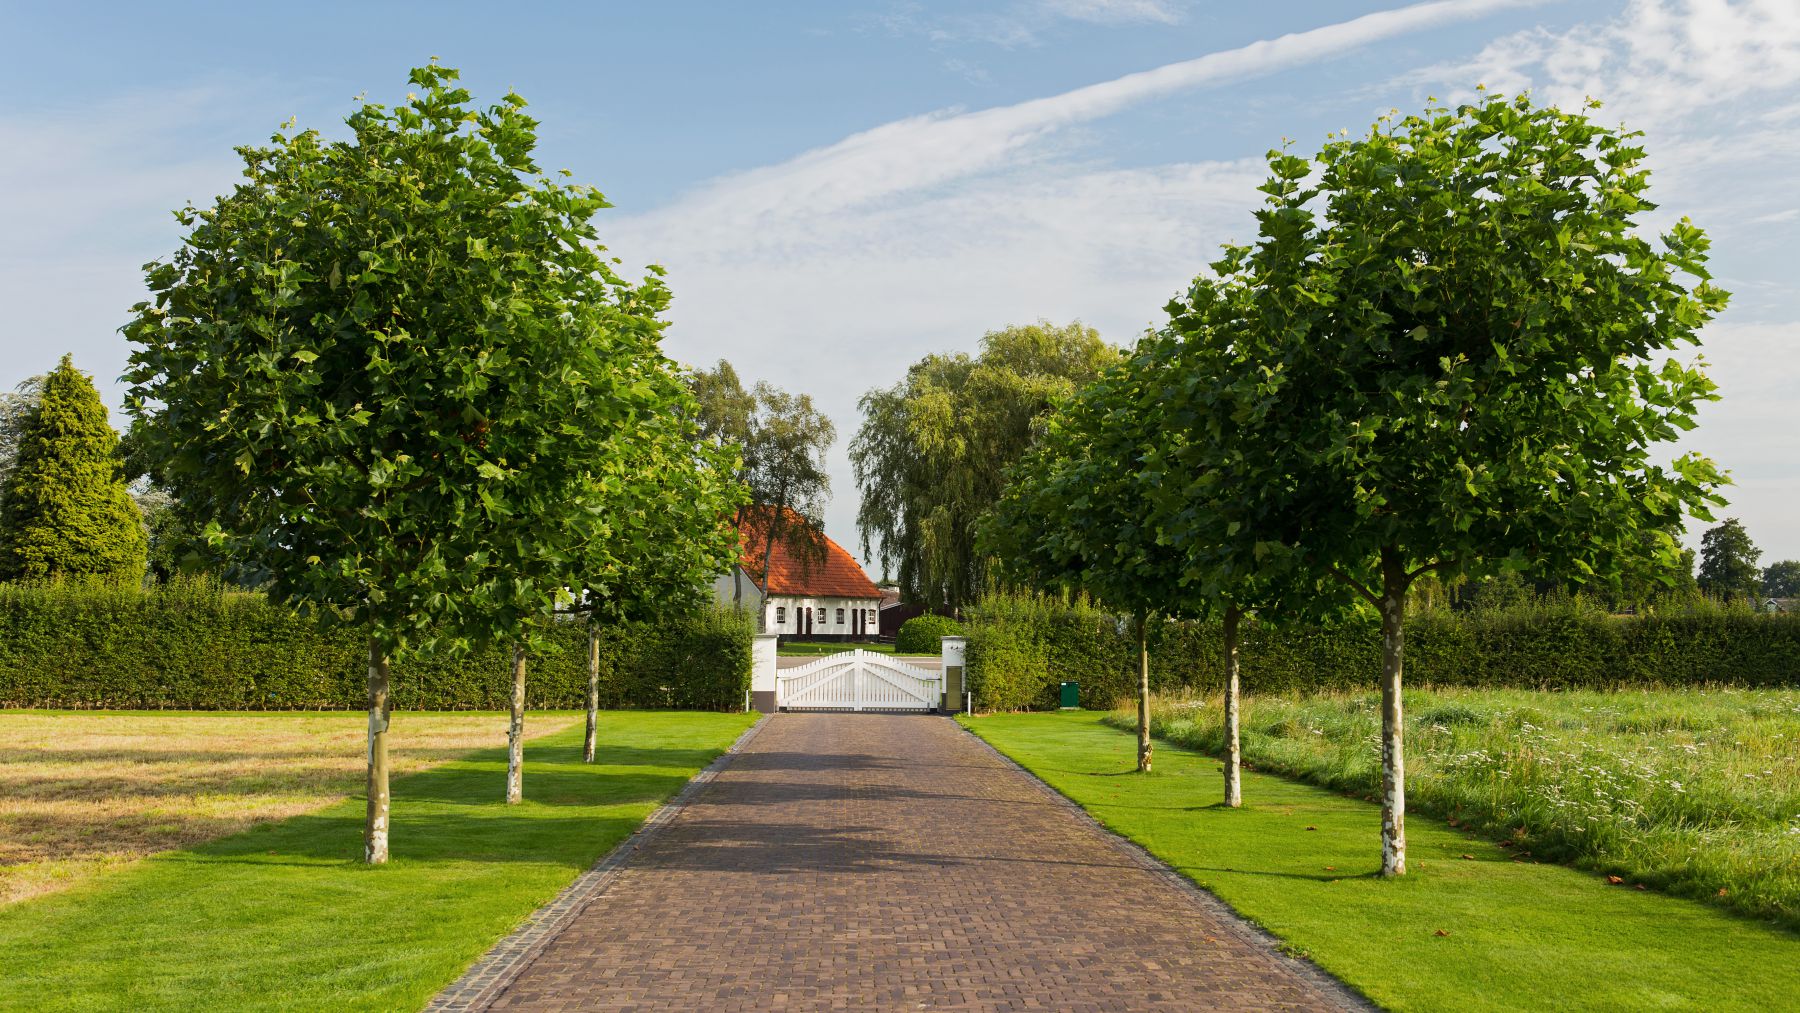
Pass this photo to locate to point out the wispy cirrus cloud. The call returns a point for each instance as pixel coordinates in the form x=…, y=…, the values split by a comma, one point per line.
x=1024, y=23
x=833, y=270
x=920, y=152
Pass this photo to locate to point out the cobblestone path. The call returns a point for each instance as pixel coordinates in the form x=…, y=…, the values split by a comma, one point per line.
x=894, y=862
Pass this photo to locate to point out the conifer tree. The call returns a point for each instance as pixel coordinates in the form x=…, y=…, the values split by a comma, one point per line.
x=67, y=512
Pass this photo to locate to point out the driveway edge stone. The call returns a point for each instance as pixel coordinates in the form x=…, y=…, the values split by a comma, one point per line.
x=482, y=983
x=1341, y=994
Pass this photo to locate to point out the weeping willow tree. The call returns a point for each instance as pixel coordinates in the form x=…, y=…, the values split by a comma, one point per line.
x=931, y=455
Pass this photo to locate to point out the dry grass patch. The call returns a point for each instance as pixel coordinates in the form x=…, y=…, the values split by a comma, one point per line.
x=83, y=791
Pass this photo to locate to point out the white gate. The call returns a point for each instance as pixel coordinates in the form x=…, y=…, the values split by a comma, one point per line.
x=857, y=681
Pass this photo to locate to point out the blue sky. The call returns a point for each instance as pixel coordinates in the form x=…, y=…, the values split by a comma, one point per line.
x=840, y=188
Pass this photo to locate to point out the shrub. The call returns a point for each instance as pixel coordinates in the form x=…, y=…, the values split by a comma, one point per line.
x=1021, y=646
x=193, y=645
x=924, y=634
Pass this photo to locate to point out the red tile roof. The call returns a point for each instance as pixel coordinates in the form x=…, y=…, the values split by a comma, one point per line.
x=837, y=576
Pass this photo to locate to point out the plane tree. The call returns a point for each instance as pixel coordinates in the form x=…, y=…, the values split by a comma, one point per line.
x=384, y=368
x=1074, y=518
x=663, y=541
x=1190, y=474
x=1449, y=361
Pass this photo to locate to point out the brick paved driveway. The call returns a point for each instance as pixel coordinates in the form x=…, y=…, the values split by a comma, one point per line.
x=869, y=861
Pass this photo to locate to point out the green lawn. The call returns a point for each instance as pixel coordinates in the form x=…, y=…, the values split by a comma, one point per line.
x=1470, y=928
x=820, y=650
x=1694, y=792
x=284, y=916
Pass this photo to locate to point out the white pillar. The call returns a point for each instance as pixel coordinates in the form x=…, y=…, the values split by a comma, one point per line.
x=955, y=683
x=762, y=672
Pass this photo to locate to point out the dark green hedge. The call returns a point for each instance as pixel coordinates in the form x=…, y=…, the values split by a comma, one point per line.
x=191, y=646
x=1021, y=647
x=925, y=634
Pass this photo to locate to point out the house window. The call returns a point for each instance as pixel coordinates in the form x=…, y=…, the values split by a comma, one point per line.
x=821, y=615
x=840, y=618
x=780, y=616
x=871, y=615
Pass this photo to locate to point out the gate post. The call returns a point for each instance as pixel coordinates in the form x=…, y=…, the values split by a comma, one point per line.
x=955, y=651
x=762, y=672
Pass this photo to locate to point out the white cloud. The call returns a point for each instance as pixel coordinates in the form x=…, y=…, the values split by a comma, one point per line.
x=1658, y=61
x=1115, y=11
x=1025, y=23
x=834, y=270
x=1696, y=76
x=768, y=205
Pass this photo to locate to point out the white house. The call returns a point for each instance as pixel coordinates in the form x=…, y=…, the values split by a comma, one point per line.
x=828, y=599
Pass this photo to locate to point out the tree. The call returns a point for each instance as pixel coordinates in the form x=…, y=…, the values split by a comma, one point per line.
x=1781, y=579
x=385, y=368
x=932, y=452
x=1446, y=365
x=1728, y=562
x=663, y=543
x=65, y=511
x=1202, y=510
x=16, y=407
x=1072, y=518
x=782, y=441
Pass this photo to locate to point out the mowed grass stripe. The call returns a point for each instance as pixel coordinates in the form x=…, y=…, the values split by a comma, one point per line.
x=1519, y=936
x=284, y=916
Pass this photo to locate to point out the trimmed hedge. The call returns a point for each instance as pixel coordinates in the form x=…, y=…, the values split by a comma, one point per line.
x=1022, y=646
x=192, y=646
x=924, y=634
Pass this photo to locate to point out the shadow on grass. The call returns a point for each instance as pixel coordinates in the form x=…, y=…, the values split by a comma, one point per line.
x=456, y=811
x=498, y=834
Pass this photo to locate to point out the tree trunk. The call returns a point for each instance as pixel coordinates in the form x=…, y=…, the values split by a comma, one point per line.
x=1143, y=694
x=1234, y=791
x=1393, y=758
x=375, y=824
x=515, y=732
x=593, y=701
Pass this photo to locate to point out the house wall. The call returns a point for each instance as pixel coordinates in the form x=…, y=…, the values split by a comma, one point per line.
x=829, y=628
x=895, y=615
x=753, y=596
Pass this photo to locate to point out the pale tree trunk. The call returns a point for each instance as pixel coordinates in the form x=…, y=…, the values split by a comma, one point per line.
x=593, y=699
x=1234, y=790
x=1143, y=694
x=515, y=732
x=1393, y=757
x=375, y=823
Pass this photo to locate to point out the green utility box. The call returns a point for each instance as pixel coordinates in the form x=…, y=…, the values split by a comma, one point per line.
x=1071, y=696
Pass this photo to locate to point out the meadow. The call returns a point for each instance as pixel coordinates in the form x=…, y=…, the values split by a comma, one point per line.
x=1690, y=792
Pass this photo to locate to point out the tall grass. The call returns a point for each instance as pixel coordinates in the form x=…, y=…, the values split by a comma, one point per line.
x=1694, y=793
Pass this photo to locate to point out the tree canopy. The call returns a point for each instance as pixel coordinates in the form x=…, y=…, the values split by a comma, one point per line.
x=1781, y=579
x=1072, y=516
x=781, y=441
x=16, y=406
x=931, y=455
x=1728, y=561
x=1442, y=359
x=64, y=509
x=389, y=370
